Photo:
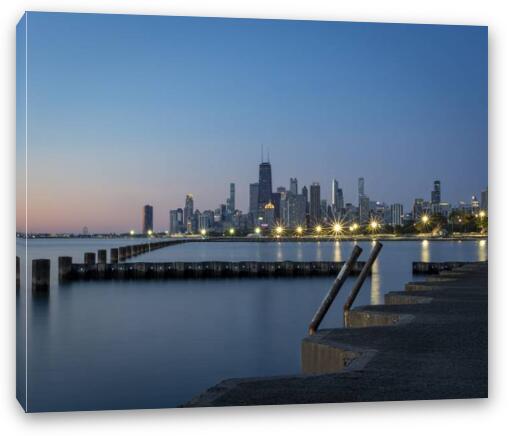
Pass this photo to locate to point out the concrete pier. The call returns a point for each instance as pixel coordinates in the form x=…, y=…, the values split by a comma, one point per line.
x=198, y=270
x=420, y=345
x=40, y=274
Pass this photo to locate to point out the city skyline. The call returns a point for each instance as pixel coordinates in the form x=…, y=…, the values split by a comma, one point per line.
x=399, y=105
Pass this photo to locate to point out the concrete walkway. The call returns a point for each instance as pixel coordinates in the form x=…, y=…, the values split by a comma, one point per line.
x=427, y=342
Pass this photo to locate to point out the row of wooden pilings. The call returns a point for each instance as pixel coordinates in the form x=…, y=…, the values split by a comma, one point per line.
x=41, y=267
x=436, y=267
x=161, y=270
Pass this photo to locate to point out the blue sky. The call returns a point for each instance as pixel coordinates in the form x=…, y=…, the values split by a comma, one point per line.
x=128, y=110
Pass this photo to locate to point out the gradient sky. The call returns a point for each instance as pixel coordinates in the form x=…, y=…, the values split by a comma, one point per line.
x=128, y=110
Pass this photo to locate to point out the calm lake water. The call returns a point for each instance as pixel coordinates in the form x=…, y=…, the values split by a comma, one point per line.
x=150, y=344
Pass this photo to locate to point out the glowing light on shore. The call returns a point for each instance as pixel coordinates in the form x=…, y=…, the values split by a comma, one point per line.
x=231, y=231
x=132, y=232
x=299, y=230
x=150, y=232
x=203, y=232
x=258, y=230
x=425, y=219
x=374, y=225
x=318, y=229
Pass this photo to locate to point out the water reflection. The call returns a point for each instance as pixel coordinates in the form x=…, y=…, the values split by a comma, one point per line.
x=425, y=254
x=319, y=254
x=337, y=252
x=376, y=297
x=279, y=252
x=482, y=251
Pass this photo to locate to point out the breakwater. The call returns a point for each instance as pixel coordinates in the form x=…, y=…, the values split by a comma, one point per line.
x=168, y=270
x=436, y=267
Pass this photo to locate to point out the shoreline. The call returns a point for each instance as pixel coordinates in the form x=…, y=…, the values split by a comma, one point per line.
x=381, y=237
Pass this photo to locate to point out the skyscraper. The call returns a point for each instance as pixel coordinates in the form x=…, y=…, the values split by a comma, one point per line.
x=397, y=214
x=253, y=199
x=231, y=201
x=148, y=219
x=337, y=199
x=364, y=209
x=435, y=194
x=334, y=196
x=484, y=200
x=314, y=204
x=360, y=187
x=176, y=221
x=188, y=211
x=293, y=186
x=264, y=185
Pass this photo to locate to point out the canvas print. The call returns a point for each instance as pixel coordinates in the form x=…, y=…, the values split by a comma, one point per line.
x=237, y=212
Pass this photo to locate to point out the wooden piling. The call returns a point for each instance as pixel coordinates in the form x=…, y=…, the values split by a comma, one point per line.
x=334, y=290
x=40, y=274
x=114, y=255
x=101, y=256
x=64, y=268
x=89, y=258
x=17, y=272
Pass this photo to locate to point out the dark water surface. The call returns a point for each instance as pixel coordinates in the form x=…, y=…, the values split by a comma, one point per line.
x=148, y=344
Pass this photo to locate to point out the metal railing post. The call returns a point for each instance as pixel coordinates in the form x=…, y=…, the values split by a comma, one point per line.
x=360, y=281
x=334, y=290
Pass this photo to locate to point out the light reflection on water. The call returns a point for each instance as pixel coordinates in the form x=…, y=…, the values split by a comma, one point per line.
x=376, y=297
x=425, y=254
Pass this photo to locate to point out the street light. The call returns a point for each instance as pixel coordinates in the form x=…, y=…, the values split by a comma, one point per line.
x=299, y=230
x=232, y=231
x=373, y=225
x=258, y=230
x=425, y=219
x=203, y=232
x=318, y=229
x=482, y=214
x=279, y=230
x=150, y=232
x=132, y=232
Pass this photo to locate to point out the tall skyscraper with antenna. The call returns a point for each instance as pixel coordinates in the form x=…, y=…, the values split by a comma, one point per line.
x=264, y=183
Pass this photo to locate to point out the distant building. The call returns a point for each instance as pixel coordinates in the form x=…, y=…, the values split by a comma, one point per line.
x=314, y=203
x=324, y=210
x=148, y=219
x=293, y=186
x=231, y=200
x=436, y=193
x=176, y=221
x=364, y=209
x=418, y=208
x=269, y=214
x=188, y=212
x=397, y=214
x=360, y=188
x=475, y=204
x=264, y=184
x=484, y=200
x=337, y=199
x=253, y=199
x=293, y=209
